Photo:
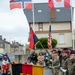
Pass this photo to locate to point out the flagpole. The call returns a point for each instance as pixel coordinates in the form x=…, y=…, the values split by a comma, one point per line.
x=50, y=36
x=33, y=16
x=72, y=12
x=41, y=45
x=51, y=39
x=52, y=11
x=73, y=38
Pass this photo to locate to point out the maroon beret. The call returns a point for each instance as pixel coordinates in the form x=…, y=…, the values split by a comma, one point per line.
x=65, y=51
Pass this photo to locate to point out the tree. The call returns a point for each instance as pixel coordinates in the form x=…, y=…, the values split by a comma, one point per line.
x=43, y=41
x=54, y=43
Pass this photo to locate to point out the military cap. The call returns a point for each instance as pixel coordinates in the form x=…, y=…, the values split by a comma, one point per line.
x=65, y=51
x=73, y=52
x=53, y=50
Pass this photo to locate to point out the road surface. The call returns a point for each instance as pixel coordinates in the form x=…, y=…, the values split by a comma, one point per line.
x=48, y=71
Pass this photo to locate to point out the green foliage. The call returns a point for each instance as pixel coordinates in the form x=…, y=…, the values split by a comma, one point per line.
x=54, y=43
x=43, y=41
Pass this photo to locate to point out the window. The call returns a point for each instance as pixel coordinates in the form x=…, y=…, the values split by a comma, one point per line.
x=58, y=10
x=19, y=57
x=40, y=25
x=39, y=11
x=1, y=45
x=61, y=38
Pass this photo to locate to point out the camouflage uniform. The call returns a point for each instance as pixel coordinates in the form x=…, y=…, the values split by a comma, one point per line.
x=65, y=61
x=56, y=64
x=67, y=64
x=71, y=69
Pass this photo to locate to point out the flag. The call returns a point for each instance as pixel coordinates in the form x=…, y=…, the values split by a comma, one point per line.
x=25, y=4
x=21, y=69
x=58, y=3
x=27, y=69
x=7, y=58
x=4, y=67
x=16, y=69
x=33, y=39
x=5, y=62
x=8, y=62
x=50, y=38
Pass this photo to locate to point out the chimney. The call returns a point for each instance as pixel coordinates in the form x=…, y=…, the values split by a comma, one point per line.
x=4, y=39
x=52, y=13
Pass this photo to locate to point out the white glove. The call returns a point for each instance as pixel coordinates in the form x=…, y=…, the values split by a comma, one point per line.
x=63, y=70
x=51, y=60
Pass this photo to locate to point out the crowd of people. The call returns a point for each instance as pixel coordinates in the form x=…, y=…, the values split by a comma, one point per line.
x=60, y=61
x=63, y=62
x=38, y=58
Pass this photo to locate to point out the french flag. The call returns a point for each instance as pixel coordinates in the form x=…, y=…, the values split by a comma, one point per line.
x=5, y=62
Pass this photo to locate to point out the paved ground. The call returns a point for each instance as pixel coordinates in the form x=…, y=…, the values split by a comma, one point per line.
x=48, y=71
x=0, y=63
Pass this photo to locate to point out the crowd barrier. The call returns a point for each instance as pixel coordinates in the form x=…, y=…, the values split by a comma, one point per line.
x=24, y=69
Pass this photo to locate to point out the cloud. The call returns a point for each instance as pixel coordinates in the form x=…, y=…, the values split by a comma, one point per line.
x=14, y=25
x=4, y=6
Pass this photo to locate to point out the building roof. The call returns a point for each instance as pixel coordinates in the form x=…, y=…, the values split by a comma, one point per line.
x=16, y=44
x=42, y=14
x=7, y=42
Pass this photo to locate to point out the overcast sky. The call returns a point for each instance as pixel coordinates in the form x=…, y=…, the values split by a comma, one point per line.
x=13, y=23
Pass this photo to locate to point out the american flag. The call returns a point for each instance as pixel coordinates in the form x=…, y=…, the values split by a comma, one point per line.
x=50, y=38
x=25, y=4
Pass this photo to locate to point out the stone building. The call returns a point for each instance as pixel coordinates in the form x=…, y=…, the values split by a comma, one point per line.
x=4, y=45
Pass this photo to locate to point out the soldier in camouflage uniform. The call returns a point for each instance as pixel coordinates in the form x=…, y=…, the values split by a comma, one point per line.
x=71, y=69
x=64, y=65
x=69, y=65
x=53, y=57
x=55, y=64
